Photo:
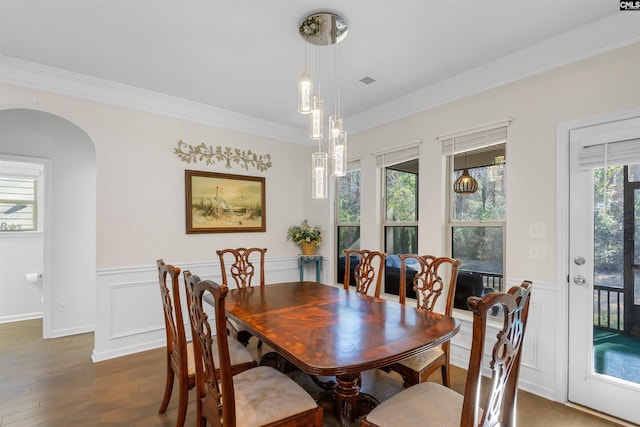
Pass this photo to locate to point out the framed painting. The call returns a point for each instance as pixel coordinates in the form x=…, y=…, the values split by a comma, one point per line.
x=224, y=203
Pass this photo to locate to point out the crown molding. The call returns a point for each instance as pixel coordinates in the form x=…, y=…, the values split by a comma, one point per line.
x=36, y=76
x=607, y=34
x=616, y=31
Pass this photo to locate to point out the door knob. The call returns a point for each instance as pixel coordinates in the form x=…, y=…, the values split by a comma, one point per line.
x=579, y=280
x=578, y=260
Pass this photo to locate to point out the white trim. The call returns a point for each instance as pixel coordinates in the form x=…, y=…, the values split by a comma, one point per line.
x=562, y=239
x=615, y=31
x=478, y=128
x=397, y=148
x=23, y=73
x=21, y=317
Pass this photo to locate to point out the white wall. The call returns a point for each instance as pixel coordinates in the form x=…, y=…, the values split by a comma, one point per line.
x=140, y=194
x=20, y=254
x=139, y=207
x=537, y=105
x=69, y=230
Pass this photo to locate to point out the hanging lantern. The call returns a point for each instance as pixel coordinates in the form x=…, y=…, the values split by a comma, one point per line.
x=465, y=184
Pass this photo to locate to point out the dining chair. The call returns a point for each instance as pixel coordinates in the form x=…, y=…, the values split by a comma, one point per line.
x=368, y=271
x=242, y=270
x=435, y=277
x=260, y=396
x=241, y=358
x=432, y=404
x=179, y=352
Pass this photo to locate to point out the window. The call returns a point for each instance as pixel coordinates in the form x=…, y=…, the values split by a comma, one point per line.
x=19, y=196
x=398, y=168
x=348, y=215
x=400, y=224
x=477, y=220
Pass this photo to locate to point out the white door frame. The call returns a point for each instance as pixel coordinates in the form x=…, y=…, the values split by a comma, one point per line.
x=562, y=240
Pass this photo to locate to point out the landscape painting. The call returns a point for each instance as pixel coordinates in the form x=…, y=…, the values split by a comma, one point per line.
x=223, y=203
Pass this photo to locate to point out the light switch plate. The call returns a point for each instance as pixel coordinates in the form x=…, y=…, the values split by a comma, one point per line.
x=538, y=252
x=538, y=230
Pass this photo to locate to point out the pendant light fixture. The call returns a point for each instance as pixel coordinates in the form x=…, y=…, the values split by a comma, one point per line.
x=465, y=184
x=305, y=91
x=323, y=29
x=319, y=174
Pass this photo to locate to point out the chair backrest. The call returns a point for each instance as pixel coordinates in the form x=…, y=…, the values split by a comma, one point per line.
x=214, y=387
x=370, y=269
x=242, y=267
x=429, y=280
x=500, y=403
x=168, y=276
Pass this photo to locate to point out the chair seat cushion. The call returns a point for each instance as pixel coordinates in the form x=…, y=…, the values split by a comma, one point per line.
x=424, y=404
x=421, y=360
x=237, y=353
x=264, y=395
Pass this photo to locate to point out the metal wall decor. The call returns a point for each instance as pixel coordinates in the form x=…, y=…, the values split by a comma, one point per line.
x=202, y=153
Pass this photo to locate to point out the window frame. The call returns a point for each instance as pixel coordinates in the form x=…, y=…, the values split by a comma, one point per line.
x=26, y=171
x=353, y=165
x=456, y=144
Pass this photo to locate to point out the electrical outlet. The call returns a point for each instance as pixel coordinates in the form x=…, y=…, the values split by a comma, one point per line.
x=538, y=252
x=538, y=230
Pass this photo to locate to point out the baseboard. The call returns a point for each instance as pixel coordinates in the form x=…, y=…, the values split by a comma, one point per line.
x=126, y=351
x=20, y=317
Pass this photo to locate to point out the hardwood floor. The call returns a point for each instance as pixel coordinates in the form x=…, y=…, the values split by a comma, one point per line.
x=55, y=383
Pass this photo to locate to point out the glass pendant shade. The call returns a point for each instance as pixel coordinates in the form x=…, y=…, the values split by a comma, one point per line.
x=465, y=184
x=340, y=154
x=305, y=91
x=316, y=119
x=319, y=179
x=335, y=126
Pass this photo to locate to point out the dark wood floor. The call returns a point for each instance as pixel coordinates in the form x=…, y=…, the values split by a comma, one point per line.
x=55, y=383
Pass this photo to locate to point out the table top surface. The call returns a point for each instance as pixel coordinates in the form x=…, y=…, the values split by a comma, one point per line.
x=326, y=330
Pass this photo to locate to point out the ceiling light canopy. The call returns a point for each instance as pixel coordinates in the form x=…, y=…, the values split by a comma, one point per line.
x=323, y=29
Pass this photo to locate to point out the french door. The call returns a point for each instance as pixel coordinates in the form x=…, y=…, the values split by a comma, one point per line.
x=604, y=268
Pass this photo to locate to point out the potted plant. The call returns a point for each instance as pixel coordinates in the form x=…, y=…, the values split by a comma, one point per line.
x=305, y=235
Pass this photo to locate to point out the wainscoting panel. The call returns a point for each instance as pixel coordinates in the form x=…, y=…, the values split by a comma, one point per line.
x=129, y=315
x=537, y=368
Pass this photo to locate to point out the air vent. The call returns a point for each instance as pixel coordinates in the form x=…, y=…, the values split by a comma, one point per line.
x=367, y=80
x=363, y=82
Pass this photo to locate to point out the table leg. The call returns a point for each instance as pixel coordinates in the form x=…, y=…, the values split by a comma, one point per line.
x=350, y=403
x=318, y=268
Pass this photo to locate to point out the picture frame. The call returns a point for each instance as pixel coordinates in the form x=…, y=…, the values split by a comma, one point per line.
x=224, y=203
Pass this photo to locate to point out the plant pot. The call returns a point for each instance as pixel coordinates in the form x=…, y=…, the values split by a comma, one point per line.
x=308, y=248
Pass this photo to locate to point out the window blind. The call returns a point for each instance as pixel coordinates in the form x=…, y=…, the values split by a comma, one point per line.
x=610, y=153
x=397, y=155
x=471, y=140
x=353, y=165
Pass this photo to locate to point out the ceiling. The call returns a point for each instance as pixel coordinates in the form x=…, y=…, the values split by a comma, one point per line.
x=237, y=62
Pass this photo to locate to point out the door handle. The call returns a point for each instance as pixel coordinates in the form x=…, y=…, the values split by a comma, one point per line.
x=579, y=280
x=579, y=260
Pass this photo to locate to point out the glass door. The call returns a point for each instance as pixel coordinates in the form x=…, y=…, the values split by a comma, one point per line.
x=604, y=346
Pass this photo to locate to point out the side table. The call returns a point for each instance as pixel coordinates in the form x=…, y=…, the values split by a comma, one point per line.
x=303, y=259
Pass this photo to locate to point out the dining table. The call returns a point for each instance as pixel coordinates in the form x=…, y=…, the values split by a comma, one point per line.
x=325, y=330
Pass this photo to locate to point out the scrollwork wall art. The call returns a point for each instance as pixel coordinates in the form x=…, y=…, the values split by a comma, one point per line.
x=202, y=153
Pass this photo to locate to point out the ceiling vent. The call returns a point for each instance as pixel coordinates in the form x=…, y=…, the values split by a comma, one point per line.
x=363, y=82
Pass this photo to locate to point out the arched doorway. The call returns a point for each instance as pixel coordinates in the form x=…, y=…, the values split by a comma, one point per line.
x=70, y=214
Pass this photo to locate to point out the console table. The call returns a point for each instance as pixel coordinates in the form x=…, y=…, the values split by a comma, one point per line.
x=303, y=259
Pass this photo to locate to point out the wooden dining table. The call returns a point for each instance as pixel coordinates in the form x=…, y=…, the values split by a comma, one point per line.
x=329, y=331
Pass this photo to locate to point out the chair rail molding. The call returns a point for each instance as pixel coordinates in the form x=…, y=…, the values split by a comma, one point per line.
x=123, y=328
